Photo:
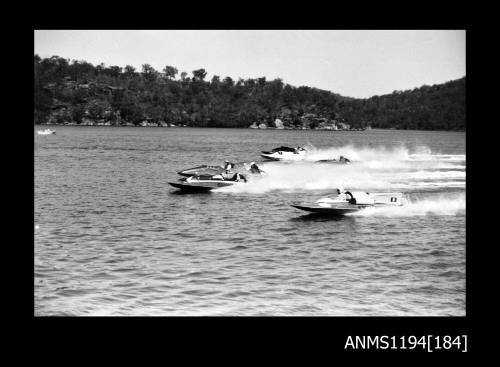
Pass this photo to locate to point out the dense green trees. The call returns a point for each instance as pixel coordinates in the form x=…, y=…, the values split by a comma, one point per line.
x=76, y=91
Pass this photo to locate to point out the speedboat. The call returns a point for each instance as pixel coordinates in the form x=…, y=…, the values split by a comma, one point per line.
x=334, y=161
x=208, y=182
x=351, y=201
x=208, y=170
x=46, y=132
x=201, y=170
x=284, y=154
x=341, y=160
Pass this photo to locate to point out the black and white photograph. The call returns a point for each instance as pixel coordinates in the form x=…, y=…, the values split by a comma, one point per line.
x=250, y=172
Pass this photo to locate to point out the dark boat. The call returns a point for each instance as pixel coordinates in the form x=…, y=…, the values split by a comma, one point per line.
x=338, y=210
x=201, y=170
x=207, y=182
x=284, y=154
x=341, y=160
x=334, y=161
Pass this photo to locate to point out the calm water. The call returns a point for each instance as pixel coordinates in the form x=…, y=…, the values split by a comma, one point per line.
x=113, y=238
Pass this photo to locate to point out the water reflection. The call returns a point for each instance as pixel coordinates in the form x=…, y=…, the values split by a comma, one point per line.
x=183, y=192
x=322, y=217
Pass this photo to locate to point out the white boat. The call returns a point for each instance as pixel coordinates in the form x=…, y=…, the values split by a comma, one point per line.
x=46, y=132
x=344, y=202
x=284, y=154
x=208, y=182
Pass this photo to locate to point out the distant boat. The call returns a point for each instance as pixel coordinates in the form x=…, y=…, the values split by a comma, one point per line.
x=46, y=132
x=342, y=160
x=284, y=154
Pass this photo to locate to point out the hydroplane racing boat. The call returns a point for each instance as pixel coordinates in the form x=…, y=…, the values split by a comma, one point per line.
x=207, y=170
x=201, y=170
x=208, y=182
x=342, y=160
x=284, y=154
x=351, y=201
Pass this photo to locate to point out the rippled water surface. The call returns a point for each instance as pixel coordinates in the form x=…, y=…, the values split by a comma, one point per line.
x=113, y=238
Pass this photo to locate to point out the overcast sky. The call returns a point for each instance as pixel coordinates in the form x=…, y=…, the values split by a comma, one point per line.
x=352, y=63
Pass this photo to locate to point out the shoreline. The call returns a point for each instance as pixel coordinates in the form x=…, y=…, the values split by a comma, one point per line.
x=243, y=128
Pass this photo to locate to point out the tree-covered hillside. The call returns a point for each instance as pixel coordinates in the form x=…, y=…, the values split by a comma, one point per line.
x=78, y=92
x=437, y=107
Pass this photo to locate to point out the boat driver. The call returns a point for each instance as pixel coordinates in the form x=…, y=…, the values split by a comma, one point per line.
x=227, y=169
x=254, y=168
x=228, y=166
x=238, y=177
x=342, y=195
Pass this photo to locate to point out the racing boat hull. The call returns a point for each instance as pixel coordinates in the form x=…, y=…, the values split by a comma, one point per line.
x=202, y=185
x=283, y=156
x=331, y=211
x=350, y=202
x=270, y=157
x=201, y=170
x=330, y=161
x=188, y=187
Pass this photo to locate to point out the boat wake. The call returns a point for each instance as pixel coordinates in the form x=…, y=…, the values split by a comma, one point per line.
x=356, y=153
x=372, y=169
x=452, y=205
